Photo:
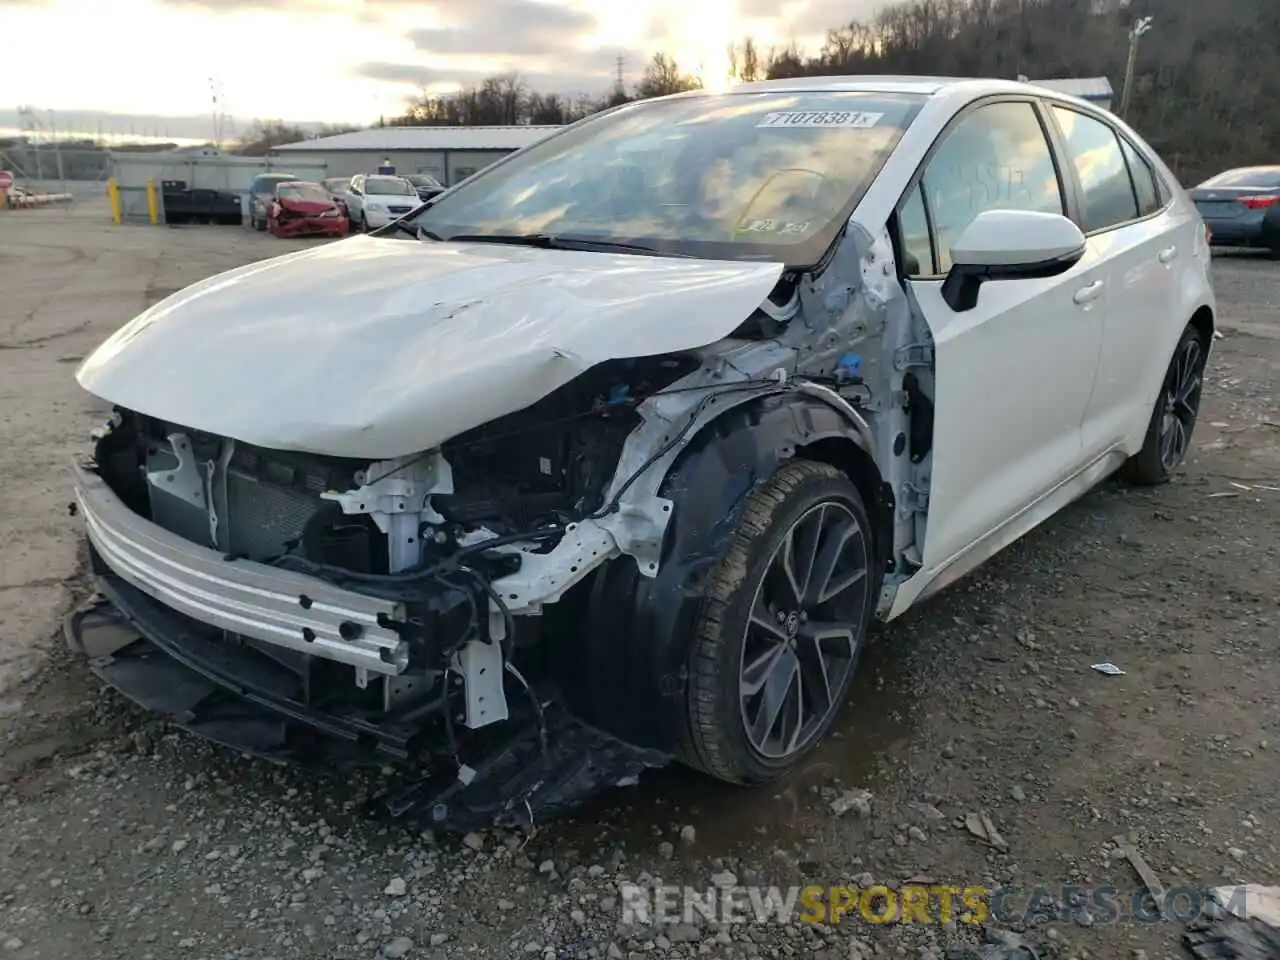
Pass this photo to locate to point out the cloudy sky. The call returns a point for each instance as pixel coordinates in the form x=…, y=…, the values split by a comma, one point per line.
x=352, y=60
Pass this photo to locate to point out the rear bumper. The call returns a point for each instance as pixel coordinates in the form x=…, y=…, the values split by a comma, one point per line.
x=1237, y=231
x=290, y=610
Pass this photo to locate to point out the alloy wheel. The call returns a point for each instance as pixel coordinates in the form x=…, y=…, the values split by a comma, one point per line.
x=803, y=633
x=1181, y=404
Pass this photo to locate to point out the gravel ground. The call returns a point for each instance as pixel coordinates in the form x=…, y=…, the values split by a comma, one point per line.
x=121, y=838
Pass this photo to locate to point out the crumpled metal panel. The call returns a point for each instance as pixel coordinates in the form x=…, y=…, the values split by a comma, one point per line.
x=377, y=348
x=297, y=612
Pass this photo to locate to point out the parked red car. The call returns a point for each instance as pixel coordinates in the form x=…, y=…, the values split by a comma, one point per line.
x=300, y=208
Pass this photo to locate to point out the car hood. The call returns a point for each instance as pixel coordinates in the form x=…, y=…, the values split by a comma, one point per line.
x=375, y=347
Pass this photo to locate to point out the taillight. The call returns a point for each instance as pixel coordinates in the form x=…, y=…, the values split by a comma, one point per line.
x=1260, y=203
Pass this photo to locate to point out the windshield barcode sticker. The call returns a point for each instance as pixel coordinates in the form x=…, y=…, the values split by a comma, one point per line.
x=834, y=118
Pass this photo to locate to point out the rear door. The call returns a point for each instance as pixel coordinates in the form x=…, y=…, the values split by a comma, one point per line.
x=1126, y=219
x=1014, y=374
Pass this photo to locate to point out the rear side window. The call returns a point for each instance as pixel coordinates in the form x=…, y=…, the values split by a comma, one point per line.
x=1144, y=180
x=1094, y=150
x=996, y=158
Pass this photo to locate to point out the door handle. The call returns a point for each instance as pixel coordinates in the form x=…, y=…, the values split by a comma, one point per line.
x=1167, y=255
x=1090, y=293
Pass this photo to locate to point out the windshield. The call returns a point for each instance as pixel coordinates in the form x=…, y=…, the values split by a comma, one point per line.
x=304, y=191
x=769, y=176
x=1267, y=177
x=335, y=184
x=265, y=184
x=422, y=180
x=389, y=186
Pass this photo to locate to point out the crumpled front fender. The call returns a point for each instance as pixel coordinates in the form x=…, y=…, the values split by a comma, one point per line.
x=625, y=665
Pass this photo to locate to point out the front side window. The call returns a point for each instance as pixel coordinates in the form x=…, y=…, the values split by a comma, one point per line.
x=767, y=176
x=996, y=158
x=1094, y=150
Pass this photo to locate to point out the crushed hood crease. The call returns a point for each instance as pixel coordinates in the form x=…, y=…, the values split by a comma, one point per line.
x=375, y=348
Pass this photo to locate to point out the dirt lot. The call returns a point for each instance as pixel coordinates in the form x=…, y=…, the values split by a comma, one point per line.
x=120, y=838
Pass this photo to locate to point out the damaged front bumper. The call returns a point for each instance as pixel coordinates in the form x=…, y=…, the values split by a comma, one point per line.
x=236, y=652
x=294, y=611
x=302, y=226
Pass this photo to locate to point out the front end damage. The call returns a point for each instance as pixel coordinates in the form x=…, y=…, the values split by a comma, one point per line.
x=313, y=608
x=500, y=614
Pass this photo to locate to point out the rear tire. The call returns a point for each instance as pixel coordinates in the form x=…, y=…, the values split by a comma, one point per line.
x=761, y=640
x=1174, y=418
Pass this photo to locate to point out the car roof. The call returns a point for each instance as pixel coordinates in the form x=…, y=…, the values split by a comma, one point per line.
x=1259, y=168
x=875, y=83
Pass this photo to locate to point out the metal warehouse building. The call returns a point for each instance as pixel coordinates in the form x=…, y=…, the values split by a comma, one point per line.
x=1096, y=90
x=449, y=154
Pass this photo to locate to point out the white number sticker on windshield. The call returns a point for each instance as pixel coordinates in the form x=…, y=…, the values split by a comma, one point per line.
x=776, y=226
x=834, y=118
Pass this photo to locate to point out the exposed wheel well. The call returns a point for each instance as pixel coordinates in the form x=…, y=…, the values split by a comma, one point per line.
x=858, y=465
x=1202, y=320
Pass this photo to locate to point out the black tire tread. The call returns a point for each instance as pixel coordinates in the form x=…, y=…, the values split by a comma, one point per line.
x=704, y=746
x=1144, y=468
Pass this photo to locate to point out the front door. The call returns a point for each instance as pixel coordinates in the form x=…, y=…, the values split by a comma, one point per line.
x=1013, y=374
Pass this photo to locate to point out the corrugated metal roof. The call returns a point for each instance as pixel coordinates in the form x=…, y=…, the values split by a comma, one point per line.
x=388, y=139
x=1086, y=88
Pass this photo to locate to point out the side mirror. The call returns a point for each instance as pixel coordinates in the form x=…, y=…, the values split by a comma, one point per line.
x=1009, y=245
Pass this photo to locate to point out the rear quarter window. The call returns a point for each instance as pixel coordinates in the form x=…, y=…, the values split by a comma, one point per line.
x=1145, y=183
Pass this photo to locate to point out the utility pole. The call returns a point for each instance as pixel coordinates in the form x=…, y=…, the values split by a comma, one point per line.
x=215, y=91
x=57, y=149
x=1140, y=26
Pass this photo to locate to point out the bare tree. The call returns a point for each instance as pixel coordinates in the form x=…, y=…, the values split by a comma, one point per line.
x=662, y=77
x=264, y=136
x=1206, y=80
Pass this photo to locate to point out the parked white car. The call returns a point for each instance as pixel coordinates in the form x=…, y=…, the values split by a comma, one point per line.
x=610, y=455
x=375, y=200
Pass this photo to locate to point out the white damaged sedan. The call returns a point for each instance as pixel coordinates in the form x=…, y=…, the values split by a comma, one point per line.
x=609, y=456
